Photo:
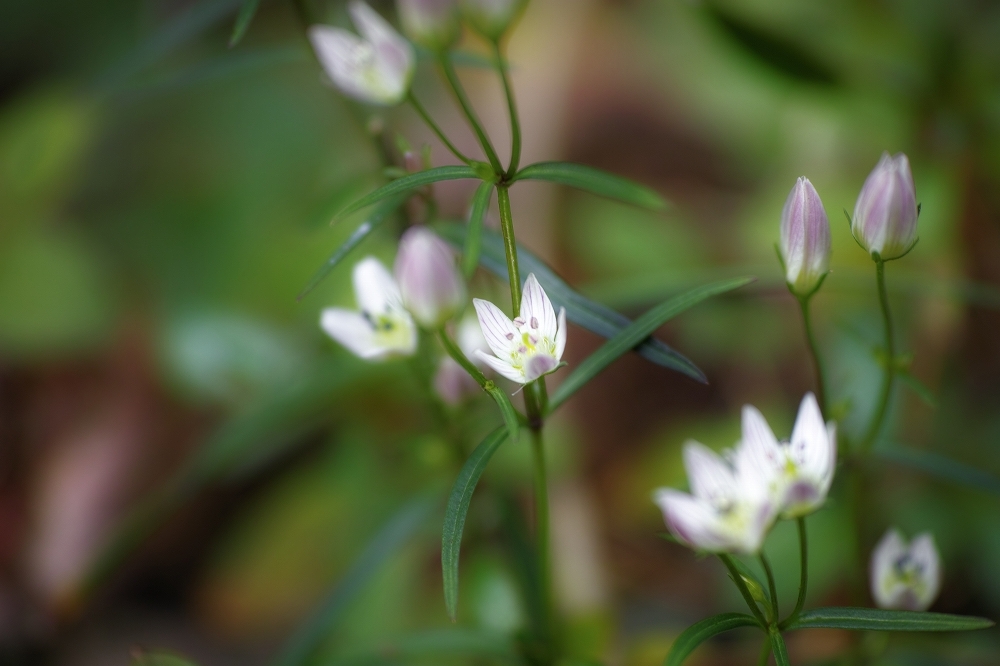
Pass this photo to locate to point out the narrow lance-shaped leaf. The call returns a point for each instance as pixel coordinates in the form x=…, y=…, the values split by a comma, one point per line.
x=595, y=181
x=374, y=221
x=456, y=511
x=411, y=182
x=389, y=539
x=474, y=234
x=636, y=332
x=580, y=310
x=873, y=619
x=243, y=19
x=700, y=632
x=940, y=466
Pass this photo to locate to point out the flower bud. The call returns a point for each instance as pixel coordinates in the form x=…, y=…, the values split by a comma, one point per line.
x=491, y=18
x=885, y=216
x=430, y=23
x=431, y=287
x=805, y=238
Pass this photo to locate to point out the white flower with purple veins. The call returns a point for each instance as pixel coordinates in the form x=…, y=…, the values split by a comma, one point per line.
x=905, y=576
x=530, y=346
x=885, y=216
x=800, y=470
x=382, y=328
x=429, y=282
x=729, y=508
x=376, y=67
x=805, y=238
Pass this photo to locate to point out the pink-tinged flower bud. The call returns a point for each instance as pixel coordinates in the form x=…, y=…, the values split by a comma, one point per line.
x=805, y=238
x=491, y=18
x=430, y=23
x=885, y=216
x=430, y=284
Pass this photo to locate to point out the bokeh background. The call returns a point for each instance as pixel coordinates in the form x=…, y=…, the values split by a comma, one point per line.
x=186, y=462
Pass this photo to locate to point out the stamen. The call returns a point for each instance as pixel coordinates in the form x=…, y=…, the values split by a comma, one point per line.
x=534, y=322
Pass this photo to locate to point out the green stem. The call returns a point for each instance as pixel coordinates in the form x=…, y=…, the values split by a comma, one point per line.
x=515, y=123
x=803, y=572
x=814, y=352
x=462, y=359
x=765, y=652
x=470, y=114
x=509, y=247
x=542, y=526
x=890, y=361
x=734, y=573
x=771, y=587
x=437, y=130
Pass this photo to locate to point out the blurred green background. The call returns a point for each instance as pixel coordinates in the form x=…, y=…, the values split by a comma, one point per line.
x=164, y=198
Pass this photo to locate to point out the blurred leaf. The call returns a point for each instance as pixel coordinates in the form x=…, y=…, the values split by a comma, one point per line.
x=411, y=182
x=885, y=620
x=580, y=310
x=243, y=20
x=595, y=181
x=474, y=235
x=510, y=415
x=779, y=649
x=773, y=50
x=700, y=632
x=940, y=466
x=918, y=387
x=220, y=67
x=469, y=643
x=374, y=221
x=456, y=511
x=141, y=658
x=636, y=332
x=389, y=539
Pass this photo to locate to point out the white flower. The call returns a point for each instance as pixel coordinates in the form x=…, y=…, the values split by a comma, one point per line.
x=800, y=471
x=805, y=238
x=383, y=328
x=431, y=23
x=432, y=289
x=377, y=68
x=491, y=17
x=885, y=215
x=452, y=382
x=905, y=576
x=530, y=346
x=729, y=508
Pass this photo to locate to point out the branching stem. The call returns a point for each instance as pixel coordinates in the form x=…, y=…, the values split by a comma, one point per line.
x=515, y=123
x=436, y=129
x=470, y=114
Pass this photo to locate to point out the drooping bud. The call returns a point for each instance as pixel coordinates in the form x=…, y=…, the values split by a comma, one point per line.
x=451, y=381
x=429, y=281
x=491, y=18
x=905, y=576
x=376, y=67
x=430, y=23
x=805, y=238
x=885, y=216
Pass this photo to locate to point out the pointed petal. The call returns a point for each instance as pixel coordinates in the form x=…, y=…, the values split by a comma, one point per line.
x=561, y=335
x=502, y=368
x=690, y=520
x=536, y=309
x=374, y=287
x=394, y=56
x=710, y=478
x=353, y=331
x=881, y=569
x=758, y=456
x=345, y=58
x=810, y=444
x=924, y=553
x=500, y=333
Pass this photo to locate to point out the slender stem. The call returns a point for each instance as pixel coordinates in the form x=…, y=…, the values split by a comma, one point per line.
x=803, y=572
x=515, y=122
x=462, y=359
x=470, y=114
x=890, y=361
x=814, y=351
x=437, y=130
x=771, y=587
x=542, y=526
x=765, y=652
x=734, y=573
x=509, y=246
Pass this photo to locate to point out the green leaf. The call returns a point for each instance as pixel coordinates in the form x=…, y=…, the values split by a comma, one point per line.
x=510, y=416
x=778, y=647
x=243, y=19
x=456, y=511
x=409, y=183
x=434, y=644
x=595, y=181
x=580, y=310
x=374, y=221
x=873, y=619
x=156, y=658
x=636, y=332
x=474, y=235
x=396, y=532
x=919, y=388
x=940, y=466
x=700, y=632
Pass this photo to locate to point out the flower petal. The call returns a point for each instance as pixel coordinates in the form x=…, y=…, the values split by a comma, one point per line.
x=345, y=58
x=925, y=554
x=709, y=476
x=374, y=288
x=758, y=456
x=881, y=569
x=690, y=520
x=394, y=56
x=810, y=444
x=500, y=333
x=501, y=367
x=536, y=309
x=353, y=331
x=561, y=335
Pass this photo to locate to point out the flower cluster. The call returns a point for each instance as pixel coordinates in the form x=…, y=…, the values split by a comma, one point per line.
x=736, y=498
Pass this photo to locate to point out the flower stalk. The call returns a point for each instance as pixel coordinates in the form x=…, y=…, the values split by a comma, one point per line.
x=814, y=352
x=509, y=246
x=422, y=112
x=470, y=114
x=889, y=362
x=515, y=122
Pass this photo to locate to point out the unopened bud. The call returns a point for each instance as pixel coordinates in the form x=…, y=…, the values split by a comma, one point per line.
x=430, y=23
x=805, y=238
x=885, y=216
x=429, y=281
x=491, y=17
